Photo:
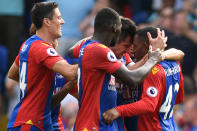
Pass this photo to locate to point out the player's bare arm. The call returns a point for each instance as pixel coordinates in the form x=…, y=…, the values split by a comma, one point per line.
x=65, y=69
x=58, y=97
x=70, y=51
x=13, y=72
x=130, y=77
x=173, y=54
x=139, y=63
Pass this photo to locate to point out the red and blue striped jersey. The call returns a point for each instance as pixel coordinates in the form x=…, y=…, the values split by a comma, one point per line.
x=161, y=90
x=96, y=64
x=35, y=61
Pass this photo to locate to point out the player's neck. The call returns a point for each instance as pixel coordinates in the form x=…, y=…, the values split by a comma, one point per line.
x=45, y=36
x=102, y=38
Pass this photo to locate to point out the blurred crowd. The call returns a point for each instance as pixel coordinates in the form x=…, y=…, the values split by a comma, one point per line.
x=177, y=17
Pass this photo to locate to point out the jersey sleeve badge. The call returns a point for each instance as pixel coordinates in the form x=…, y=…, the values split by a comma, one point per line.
x=51, y=52
x=152, y=91
x=111, y=56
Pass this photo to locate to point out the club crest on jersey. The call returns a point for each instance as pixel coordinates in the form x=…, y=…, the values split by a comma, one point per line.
x=152, y=91
x=51, y=52
x=155, y=70
x=111, y=57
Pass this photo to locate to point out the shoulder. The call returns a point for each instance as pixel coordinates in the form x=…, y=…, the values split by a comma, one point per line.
x=157, y=70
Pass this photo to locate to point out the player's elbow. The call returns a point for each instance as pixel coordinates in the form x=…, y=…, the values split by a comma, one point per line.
x=13, y=73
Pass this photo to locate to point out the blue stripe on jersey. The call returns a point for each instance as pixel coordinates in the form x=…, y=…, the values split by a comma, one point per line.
x=107, y=101
x=59, y=83
x=23, y=61
x=47, y=122
x=80, y=69
x=172, y=74
x=54, y=116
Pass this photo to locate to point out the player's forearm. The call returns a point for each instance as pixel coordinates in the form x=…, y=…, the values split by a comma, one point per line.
x=13, y=72
x=65, y=69
x=139, y=63
x=131, y=77
x=58, y=97
x=143, y=71
x=173, y=54
x=133, y=109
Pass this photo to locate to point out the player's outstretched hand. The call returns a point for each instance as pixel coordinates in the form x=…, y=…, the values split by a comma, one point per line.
x=155, y=55
x=110, y=115
x=159, y=41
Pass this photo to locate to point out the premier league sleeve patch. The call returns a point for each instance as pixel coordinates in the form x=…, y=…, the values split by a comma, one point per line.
x=152, y=91
x=111, y=57
x=51, y=52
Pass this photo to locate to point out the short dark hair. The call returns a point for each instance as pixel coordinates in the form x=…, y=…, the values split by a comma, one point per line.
x=142, y=34
x=128, y=28
x=42, y=10
x=105, y=19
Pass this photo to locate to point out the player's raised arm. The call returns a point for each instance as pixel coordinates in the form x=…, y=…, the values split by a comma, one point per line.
x=137, y=75
x=130, y=77
x=58, y=97
x=173, y=54
x=77, y=47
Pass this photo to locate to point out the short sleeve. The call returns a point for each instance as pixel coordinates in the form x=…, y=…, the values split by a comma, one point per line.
x=127, y=58
x=17, y=60
x=76, y=50
x=18, y=56
x=104, y=59
x=44, y=53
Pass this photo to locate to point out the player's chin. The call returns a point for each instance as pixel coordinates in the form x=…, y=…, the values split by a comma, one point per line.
x=59, y=35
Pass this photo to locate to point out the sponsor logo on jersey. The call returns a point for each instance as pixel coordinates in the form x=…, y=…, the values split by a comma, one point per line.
x=111, y=57
x=155, y=70
x=51, y=52
x=24, y=47
x=152, y=91
x=172, y=71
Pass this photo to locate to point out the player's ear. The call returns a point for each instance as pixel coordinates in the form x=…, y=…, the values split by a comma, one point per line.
x=46, y=22
x=146, y=45
x=114, y=28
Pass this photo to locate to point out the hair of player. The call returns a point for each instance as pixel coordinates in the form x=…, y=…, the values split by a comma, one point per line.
x=42, y=10
x=128, y=28
x=32, y=30
x=142, y=34
x=105, y=19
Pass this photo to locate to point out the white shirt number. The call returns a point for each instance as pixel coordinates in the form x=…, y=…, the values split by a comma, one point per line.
x=167, y=104
x=23, y=84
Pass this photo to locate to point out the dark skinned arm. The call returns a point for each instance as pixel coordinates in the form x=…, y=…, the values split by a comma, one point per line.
x=131, y=77
x=70, y=51
x=58, y=97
